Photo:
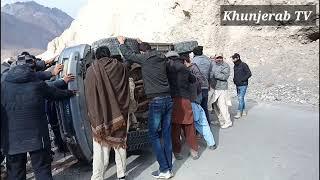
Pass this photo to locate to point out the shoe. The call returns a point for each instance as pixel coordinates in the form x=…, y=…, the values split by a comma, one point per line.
x=244, y=113
x=225, y=126
x=122, y=178
x=178, y=156
x=162, y=175
x=198, y=136
x=238, y=115
x=194, y=154
x=171, y=172
x=213, y=147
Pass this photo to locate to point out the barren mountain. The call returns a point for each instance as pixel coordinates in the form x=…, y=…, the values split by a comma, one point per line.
x=30, y=26
x=284, y=60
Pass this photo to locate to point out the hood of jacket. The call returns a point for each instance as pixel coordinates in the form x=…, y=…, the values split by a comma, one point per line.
x=20, y=74
x=237, y=63
x=203, y=59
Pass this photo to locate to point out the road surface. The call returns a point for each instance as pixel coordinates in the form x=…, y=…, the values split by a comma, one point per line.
x=274, y=142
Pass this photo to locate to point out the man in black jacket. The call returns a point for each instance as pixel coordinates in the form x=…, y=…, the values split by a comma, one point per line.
x=242, y=74
x=41, y=66
x=23, y=97
x=52, y=113
x=156, y=86
x=181, y=80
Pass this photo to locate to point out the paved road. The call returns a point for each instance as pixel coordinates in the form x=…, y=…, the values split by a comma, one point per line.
x=274, y=142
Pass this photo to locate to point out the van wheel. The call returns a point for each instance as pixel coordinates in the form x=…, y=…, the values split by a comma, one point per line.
x=113, y=45
x=186, y=46
x=138, y=140
x=75, y=150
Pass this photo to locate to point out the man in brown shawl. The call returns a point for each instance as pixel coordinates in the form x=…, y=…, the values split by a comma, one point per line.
x=107, y=96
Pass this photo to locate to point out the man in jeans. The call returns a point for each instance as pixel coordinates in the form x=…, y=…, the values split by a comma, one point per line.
x=241, y=75
x=156, y=86
x=200, y=120
x=205, y=65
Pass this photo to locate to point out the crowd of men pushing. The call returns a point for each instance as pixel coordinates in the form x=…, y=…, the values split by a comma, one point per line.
x=181, y=88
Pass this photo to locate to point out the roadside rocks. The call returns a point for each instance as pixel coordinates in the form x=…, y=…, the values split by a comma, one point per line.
x=288, y=93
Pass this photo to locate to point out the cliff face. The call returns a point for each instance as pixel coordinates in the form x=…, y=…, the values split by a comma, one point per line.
x=284, y=61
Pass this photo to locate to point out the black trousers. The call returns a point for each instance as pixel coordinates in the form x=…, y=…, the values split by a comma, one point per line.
x=204, y=103
x=54, y=123
x=41, y=164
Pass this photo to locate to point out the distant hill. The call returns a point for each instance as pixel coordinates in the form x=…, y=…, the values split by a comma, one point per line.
x=28, y=25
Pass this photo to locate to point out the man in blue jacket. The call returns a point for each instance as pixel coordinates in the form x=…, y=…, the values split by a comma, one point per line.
x=23, y=97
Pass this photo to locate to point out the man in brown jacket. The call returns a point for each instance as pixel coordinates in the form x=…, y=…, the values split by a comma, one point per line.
x=107, y=96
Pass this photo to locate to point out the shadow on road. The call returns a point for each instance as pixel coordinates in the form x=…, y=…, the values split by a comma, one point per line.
x=145, y=158
x=232, y=110
x=250, y=103
x=177, y=164
x=77, y=171
x=137, y=166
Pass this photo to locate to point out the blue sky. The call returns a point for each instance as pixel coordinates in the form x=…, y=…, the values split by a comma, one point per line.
x=71, y=7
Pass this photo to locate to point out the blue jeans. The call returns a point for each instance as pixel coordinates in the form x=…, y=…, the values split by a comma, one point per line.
x=241, y=92
x=159, y=123
x=204, y=102
x=201, y=124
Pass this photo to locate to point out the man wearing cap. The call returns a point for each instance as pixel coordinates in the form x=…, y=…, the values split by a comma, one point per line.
x=41, y=66
x=205, y=65
x=242, y=74
x=220, y=98
x=26, y=128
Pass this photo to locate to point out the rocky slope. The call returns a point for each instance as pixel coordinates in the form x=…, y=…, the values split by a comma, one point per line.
x=28, y=25
x=284, y=61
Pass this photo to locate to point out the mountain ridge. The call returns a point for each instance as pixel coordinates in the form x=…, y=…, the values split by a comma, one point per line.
x=29, y=25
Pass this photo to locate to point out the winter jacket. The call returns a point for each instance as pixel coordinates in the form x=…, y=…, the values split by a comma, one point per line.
x=203, y=63
x=180, y=79
x=23, y=97
x=195, y=89
x=5, y=67
x=242, y=73
x=221, y=74
x=43, y=75
x=40, y=73
x=58, y=83
x=153, y=68
x=40, y=65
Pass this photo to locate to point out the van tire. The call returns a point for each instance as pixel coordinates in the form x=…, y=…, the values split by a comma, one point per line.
x=138, y=140
x=184, y=47
x=113, y=45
